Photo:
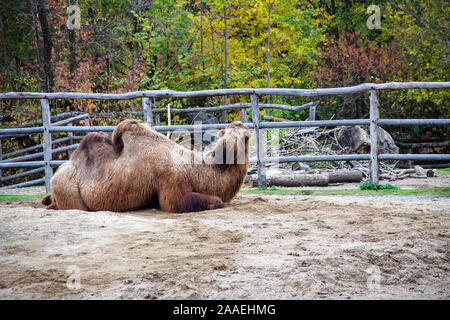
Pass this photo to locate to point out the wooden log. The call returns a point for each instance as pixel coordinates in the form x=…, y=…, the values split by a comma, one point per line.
x=52, y=118
x=47, y=143
x=312, y=113
x=25, y=184
x=259, y=143
x=423, y=172
x=285, y=107
x=418, y=176
x=222, y=92
x=345, y=176
x=248, y=180
x=321, y=123
x=169, y=119
x=40, y=154
x=403, y=176
x=71, y=120
x=422, y=144
x=427, y=166
x=1, y=157
x=70, y=136
x=374, y=117
x=206, y=109
x=148, y=116
x=244, y=115
x=292, y=180
x=238, y=106
x=264, y=117
x=413, y=122
x=23, y=174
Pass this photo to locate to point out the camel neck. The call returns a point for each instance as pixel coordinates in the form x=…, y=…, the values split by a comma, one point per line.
x=222, y=181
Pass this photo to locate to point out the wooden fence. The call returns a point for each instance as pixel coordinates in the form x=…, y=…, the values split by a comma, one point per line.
x=373, y=122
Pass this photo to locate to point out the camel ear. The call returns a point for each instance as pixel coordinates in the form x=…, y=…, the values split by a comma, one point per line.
x=221, y=133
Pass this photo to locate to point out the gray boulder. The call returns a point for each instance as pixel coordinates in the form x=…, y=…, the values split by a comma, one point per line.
x=356, y=139
x=201, y=116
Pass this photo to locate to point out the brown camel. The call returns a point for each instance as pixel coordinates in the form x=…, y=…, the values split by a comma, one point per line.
x=140, y=168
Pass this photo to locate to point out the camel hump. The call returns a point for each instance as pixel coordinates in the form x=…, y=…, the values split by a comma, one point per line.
x=96, y=147
x=93, y=140
x=129, y=125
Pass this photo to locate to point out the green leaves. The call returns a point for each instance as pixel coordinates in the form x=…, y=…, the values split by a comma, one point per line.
x=370, y=186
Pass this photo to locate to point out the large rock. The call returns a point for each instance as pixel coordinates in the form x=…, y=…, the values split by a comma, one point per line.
x=207, y=141
x=386, y=143
x=354, y=139
x=201, y=116
x=357, y=140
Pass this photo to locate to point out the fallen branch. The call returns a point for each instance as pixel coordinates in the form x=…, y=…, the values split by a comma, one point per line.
x=292, y=180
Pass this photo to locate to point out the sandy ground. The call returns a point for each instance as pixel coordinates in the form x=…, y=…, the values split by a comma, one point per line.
x=258, y=247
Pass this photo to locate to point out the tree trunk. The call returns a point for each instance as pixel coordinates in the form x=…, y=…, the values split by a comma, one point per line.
x=268, y=53
x=335, y=29
x=202, y=9
x=47, y=83
x=291, y=180
x=345, y=176
x=6, y=58
x=225, y=71
x=136, y=29
x=72, y=54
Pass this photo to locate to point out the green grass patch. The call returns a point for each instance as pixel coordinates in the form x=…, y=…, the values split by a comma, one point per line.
x=370, y=186
x=20, y=197
x=438, y=191
x=443, y=171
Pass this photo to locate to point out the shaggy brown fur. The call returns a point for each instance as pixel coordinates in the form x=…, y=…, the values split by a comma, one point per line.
x=139, y=168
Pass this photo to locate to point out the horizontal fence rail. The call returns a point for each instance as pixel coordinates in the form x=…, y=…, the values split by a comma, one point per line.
x=66, y=125
x=344, y=157
x=27, y=164
x=266, y=125
x=222, y=92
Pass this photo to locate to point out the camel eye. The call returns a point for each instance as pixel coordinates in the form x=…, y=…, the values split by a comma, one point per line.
x=221, y=133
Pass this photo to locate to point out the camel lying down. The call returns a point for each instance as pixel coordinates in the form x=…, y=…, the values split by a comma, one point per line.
x=139, y=168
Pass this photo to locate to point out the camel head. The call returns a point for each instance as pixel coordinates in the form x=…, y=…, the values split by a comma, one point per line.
x=232, y=147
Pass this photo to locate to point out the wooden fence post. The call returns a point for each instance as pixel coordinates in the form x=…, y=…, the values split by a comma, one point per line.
x=224, y=112
x=148, y=117
x=1, y=158
x=312, y=113
x=169, y=119
x=374, y=117
x=47, y=143
x=259, y=143
x=70, y=135
x=157, y=116
x=244, y=115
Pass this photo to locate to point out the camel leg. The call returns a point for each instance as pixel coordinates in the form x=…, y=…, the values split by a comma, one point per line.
x=49, y=203
x=67, y=196
x=171, y=201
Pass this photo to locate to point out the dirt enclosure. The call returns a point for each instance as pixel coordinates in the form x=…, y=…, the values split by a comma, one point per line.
x=258, y=247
